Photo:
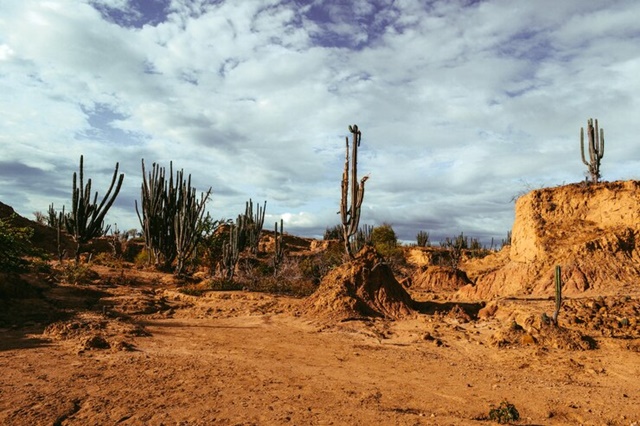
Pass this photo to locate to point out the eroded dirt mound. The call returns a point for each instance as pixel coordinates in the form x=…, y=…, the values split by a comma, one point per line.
x=43, y=237
x=537, y=332
x=438, y=278
x=591, y=231
x=605, y=316
x=91, y=331
x=364, y=287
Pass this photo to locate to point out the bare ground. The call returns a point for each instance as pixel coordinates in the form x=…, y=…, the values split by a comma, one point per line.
x=139, y=354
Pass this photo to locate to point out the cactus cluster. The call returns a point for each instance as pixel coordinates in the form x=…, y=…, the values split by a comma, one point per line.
x=243, y=234
x=169, y=215
x=253, y=224
x=422, y=239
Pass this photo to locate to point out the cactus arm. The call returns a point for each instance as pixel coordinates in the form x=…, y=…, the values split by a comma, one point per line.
x=584, y=160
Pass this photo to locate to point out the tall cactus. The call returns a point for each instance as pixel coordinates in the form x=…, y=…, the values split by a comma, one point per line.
x=86, y=219
x=230, y=253
x=350, y=215
x=596, y=149
x=254, y=224
x=158, y=206
x=187, y=222
x=278, y=252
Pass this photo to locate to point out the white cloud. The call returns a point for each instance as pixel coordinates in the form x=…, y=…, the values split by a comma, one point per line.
x=460, y=106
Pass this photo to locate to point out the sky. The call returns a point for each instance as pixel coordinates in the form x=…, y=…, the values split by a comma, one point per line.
x=463, y=105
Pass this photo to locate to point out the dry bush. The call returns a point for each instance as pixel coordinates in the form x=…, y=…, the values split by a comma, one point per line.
x=76, y=273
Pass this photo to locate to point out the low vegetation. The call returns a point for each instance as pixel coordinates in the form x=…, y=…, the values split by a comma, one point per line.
x=16, y=250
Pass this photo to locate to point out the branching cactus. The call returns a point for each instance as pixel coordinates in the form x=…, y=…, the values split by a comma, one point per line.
x=86, y=219
x=350, y=214
x=596, y=149
x=170, y=215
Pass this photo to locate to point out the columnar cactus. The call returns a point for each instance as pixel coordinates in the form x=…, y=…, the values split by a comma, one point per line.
x=187, y=222
x=230, y=253
x=350, y=215
x=158, y=206
x=254, y=224
x=596, y=149
x=363, y=237
x=86, y=219
x=422, y=238
x=278, y=253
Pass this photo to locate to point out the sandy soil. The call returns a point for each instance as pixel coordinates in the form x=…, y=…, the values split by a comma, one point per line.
x=144, y=355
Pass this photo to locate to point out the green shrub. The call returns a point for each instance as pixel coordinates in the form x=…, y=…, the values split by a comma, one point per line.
x=143, y=258
x=77, y=273
x=505, y=413
x=16, y=247
x=385, y=241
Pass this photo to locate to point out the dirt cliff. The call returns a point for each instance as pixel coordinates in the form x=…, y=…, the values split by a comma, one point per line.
x=591, y=231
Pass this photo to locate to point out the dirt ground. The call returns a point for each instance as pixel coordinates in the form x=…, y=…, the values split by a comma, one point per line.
x=141, y=353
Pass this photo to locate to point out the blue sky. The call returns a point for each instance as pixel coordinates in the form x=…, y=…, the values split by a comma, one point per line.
x=462, y=104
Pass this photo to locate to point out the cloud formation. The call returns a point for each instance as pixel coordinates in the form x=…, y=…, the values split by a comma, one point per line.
x=462, y=105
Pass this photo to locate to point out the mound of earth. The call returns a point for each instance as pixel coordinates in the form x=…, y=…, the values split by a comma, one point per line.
x=46, y=238
x=426, y=256
x=438, y=278
x=537, y=332
x=364, y=287
x=591, y=231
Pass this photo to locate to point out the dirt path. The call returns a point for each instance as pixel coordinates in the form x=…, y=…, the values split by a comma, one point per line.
x=242, y=361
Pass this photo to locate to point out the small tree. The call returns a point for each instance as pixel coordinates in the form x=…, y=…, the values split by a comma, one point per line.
x=385, y=241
